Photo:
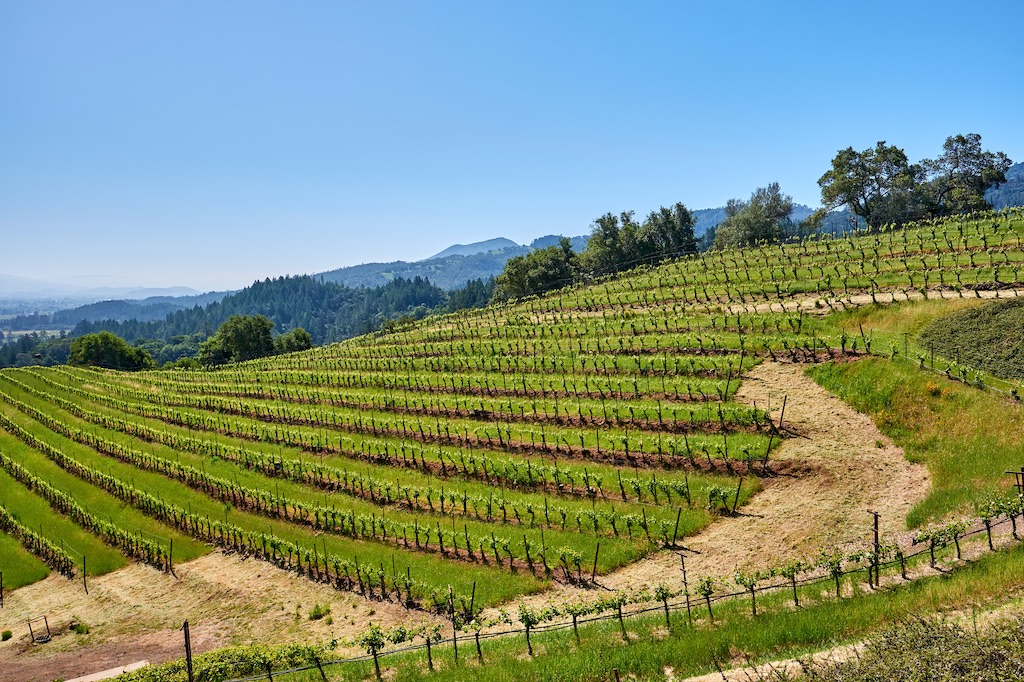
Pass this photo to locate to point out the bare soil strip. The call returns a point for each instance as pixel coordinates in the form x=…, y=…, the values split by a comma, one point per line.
x=823, y=305
x=136, y=612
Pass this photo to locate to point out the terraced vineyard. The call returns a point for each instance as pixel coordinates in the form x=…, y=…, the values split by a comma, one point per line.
x=492, y=451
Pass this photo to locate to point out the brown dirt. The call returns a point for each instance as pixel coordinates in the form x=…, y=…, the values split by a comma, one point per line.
x=135, y=613
x=840, y=466
x=824, y=304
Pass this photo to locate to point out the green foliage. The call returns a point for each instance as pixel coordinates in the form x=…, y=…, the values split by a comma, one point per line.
x=536, y=272
x=240, y=338
x=718, y=498
x=882, y=186
x=878, y=184
x=762, y=219
x=477, y=293
x=328, y=311
x=963, y=173
x=319, y=611
x=619, y=242
x=372, y=639
x=989, y=337
x=6, y=635
x=242, y=661
x=705, y=587
x=37, y=348
x=184, y=363
x=293, y=341
x=107, y=350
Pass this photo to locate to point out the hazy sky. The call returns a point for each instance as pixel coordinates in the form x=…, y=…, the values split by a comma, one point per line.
x=209, y=144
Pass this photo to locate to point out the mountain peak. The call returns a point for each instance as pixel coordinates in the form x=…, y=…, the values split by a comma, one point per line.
x=496, y=244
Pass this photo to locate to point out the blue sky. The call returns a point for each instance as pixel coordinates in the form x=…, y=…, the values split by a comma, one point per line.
x=209, y=144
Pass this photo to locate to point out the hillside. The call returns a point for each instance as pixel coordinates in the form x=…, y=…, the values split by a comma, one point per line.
x=450, y=269
x=457, y=264
x=329, y=312
x=144, y=310
x=1010, y=193
x=447, y=273
x=498, y=244
x=556, y=456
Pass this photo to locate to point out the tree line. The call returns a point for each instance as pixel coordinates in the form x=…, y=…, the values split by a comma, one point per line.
x=881, y=186
x=325, y=311
x=878, y=186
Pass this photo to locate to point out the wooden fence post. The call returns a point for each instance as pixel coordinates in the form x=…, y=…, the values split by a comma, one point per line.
x=188, y=652
x=686, y=591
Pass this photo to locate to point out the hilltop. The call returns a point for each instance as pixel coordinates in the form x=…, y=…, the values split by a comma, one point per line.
x=497, y=244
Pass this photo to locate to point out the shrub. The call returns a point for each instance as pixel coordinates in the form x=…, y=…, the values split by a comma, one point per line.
x=319, y=611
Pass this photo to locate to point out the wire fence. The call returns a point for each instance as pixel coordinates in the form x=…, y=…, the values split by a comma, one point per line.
x=673, y=605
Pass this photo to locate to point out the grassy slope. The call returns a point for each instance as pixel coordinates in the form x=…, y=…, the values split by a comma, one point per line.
x=966, y=437
x=18, y=566
x=780, y=634
x=34, y=512
x=989, y=337
x=777, y=633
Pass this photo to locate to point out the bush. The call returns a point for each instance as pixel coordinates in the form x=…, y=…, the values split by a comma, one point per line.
x=319, y=611
x=7, y=634
x=108, y=350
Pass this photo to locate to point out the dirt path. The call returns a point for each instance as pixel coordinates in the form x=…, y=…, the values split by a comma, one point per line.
x=823, y=305
x=850, y=468
x=135, y=613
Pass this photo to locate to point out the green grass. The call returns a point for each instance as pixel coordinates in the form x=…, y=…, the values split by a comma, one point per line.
x=988, y=337
x=494, y=585
x=34, y=512
x=95, y=500
x=18, y=565
x=770, y=636
x=778, y=632
x=968, y=438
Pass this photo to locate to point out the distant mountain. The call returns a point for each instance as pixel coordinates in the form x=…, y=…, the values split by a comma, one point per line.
x=328, y=311
x=145, y=310
x=578, y=243
x=497, y=244
x=706, y=218
x=24, y=288
x=1010, y=193
x=450, y=269
x=448, y=273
